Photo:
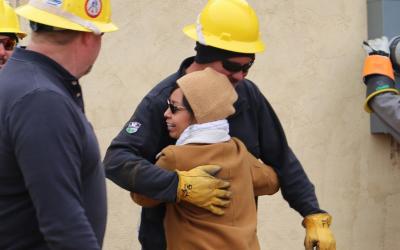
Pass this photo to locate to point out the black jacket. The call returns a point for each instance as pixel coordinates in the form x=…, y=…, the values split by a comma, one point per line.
x=52, y=184
x=130, y=157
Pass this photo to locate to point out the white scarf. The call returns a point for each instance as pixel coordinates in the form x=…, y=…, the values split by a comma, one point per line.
x=208, y=133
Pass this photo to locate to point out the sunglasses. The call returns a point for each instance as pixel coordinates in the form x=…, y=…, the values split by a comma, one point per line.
x=236, y=67
x=8, y=43
x=174, y=108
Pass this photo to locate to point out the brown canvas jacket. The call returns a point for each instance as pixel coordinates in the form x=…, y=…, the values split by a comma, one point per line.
x=191, y=227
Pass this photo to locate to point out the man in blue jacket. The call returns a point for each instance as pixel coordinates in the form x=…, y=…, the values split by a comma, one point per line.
x=52, y=183
x=227, y=38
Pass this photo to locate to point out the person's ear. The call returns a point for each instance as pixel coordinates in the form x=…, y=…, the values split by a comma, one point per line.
x=86, y=38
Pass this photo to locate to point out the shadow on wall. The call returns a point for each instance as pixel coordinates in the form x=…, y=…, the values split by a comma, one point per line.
x=395, y=153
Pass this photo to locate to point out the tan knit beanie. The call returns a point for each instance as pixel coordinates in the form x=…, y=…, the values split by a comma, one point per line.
x=209, y=93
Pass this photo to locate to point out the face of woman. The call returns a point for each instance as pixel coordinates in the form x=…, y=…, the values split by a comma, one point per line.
x=176, y=115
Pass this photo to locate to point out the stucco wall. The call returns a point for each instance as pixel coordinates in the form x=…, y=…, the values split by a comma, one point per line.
x=310, y=72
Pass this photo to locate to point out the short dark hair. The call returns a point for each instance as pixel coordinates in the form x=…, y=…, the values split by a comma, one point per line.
x=38, y=27
x=207, y=54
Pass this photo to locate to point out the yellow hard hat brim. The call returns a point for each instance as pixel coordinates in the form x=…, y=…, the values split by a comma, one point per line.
x=40, y=16
x=19, y=33
x=230, y=45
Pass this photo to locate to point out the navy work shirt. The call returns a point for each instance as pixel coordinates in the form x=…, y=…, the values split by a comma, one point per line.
x=52, y=184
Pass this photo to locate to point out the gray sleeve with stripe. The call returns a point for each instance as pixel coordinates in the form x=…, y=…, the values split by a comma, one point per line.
x=387, y=107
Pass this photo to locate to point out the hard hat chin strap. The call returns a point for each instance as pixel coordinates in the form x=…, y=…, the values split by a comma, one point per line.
x=67, y=15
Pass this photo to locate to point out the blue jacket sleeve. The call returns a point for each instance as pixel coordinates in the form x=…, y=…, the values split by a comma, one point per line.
x=296, y=187
x=46, y=134
x=130, y=157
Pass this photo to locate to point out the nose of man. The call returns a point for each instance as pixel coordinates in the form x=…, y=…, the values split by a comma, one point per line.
x=3, y=55
x=237, y=76
x=2, y=50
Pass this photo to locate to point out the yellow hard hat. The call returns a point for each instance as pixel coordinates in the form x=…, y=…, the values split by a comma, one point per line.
x=9, y=21
x=81, y=15
x=227, y=24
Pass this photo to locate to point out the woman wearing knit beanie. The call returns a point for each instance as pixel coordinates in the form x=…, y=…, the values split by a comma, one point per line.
x=196, y=117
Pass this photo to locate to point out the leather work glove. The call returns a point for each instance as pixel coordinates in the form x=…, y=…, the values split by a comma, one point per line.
x=378, y=71
x=199, y=187
x=318, y=233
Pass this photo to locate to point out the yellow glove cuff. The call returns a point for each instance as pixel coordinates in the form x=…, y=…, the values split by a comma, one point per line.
x=182, y=189
x=317, y=220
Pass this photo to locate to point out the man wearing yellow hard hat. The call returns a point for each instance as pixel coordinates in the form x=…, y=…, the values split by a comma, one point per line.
x=52, y=184
x=10, y=31
x=227, y=37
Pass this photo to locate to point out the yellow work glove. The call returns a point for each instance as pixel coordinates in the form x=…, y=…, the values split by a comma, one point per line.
x=318, y=233
x=199, y=187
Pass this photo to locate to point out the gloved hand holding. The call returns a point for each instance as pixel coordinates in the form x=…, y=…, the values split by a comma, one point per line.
x=378, y=71
x=199, y=187
x=378, y=46
x=318, y=233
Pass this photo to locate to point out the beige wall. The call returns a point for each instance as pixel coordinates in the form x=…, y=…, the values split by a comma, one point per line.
x=310, y=73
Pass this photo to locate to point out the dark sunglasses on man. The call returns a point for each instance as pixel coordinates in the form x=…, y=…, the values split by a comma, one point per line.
x=236, y=67
x=8, y=43
x=174, y=108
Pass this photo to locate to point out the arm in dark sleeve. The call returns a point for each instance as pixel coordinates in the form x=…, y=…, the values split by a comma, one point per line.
x=167, y=161
x=46, y=135
x=296, y=188
x=128, y=160
x=387, y=107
